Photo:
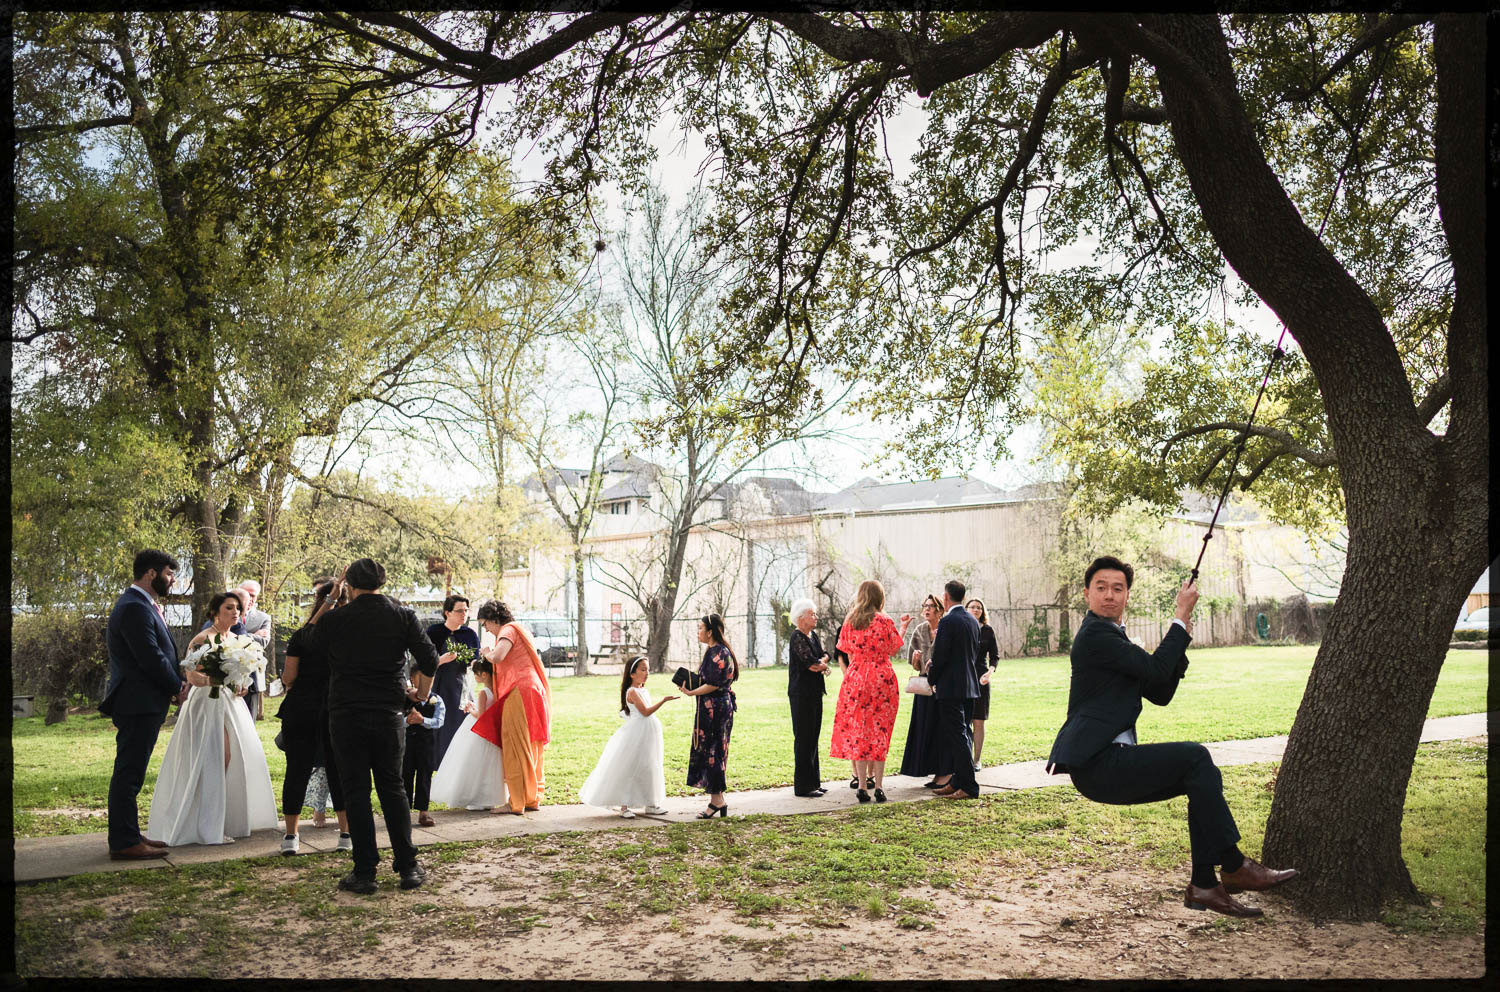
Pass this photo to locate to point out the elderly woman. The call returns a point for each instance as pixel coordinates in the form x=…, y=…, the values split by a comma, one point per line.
x=519, y=721
x=807, y=663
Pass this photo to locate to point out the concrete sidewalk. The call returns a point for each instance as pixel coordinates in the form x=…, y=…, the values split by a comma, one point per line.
x=42, y=858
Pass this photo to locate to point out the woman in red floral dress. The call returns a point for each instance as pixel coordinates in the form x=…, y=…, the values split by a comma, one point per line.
x=868, y=701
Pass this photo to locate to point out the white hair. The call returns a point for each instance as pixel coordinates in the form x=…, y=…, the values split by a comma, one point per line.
x=800, y=607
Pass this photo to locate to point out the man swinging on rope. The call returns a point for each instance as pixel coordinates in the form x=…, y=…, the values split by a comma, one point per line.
x=1097, y=745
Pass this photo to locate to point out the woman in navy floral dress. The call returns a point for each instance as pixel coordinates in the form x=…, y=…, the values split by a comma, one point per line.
x=709, y=758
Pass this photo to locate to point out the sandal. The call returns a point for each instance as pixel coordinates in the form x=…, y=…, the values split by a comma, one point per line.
x=854, y=782
x=869, y=783
x=713, y=811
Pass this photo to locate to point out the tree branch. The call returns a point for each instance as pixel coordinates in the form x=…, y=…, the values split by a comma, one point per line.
x=1387, y=28
x=40, y=132
x=1289, y=444
x=1435, y=400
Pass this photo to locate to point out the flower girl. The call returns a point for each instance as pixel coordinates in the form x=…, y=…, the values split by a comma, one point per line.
x=630, y=772
x=471, y=776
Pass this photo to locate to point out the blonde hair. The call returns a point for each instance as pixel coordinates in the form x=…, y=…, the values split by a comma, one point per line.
x=868, y=600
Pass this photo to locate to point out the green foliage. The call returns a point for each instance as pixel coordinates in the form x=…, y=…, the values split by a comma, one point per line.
x=1038, y=634
x=59, y=655
x=1471, y=635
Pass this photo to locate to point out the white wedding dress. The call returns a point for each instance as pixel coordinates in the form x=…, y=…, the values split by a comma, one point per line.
x=631, y=771
x=471, y=776
x=198, y=800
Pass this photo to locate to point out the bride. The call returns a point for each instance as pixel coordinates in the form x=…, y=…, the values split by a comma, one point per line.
x=214, y=785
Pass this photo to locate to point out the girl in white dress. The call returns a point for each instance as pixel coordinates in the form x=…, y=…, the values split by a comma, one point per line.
x=213, y=785
x=631, y=771
x=471, y=775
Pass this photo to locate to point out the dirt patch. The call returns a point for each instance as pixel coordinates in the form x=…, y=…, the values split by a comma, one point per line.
x=502, y=916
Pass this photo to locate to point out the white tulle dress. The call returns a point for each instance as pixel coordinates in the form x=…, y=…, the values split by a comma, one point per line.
x=631, y=771
x=198, y=800
x=471, y=775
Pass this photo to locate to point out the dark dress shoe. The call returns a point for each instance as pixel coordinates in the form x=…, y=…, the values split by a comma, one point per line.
x=854, y=782
x=869, y=783
x=140, y=851
x=880, y=795
x=862, y=796
x=1217, y=900
x=932, y=785
x=819, y=791
x=154, y=843
x=425, y=820
x=413, y=876
x=1252, y=876
x=353, y=883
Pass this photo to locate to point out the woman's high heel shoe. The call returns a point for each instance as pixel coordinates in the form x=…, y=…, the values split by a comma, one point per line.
x=854, y=782
x=870, y=783
x=862, y=796
x=713, y=811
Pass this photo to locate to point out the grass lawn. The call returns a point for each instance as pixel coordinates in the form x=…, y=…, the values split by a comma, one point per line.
x=816, y=867
x=62, y=772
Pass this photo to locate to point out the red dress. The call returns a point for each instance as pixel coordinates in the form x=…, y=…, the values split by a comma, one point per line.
x=870, y=696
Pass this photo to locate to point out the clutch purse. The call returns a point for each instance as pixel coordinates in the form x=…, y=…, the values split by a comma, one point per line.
x=685, y=679
x=919, y=686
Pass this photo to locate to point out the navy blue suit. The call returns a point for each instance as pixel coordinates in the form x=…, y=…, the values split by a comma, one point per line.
x=143, y=680
x=955, y=686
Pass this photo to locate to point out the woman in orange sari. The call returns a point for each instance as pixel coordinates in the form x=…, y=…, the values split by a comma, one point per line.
x=520, y=720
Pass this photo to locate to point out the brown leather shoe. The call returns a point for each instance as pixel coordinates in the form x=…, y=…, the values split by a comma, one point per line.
x=1252, y=876
x=956, y=794
x=532, y=809
x=154, y=843
x=425, y=820
x=945, y=790
x=1217, y=900
x=138, y=852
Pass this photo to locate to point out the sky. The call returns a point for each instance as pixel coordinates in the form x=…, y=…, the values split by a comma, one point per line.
x=857, y=451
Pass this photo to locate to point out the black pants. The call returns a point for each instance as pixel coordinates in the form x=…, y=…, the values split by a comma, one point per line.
x=807, y=726
x=252, y=703
x=1150, y=773
x=135, y=739
x=416, y=774
x=307, y=746
x=368, y=744
x=956, y=743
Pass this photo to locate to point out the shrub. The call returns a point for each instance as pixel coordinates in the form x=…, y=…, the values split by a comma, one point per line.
x=1471, y=635
x=58, y=656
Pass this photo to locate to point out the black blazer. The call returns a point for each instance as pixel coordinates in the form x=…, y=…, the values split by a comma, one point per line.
x=955, y=645
x=143, y=674
x=1110, y=675
x=806, y=650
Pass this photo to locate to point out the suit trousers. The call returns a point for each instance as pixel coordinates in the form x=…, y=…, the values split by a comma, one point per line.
x=135, y=739
x=1124, y=775
x=369, y=744
x=955, y=743
x=807, y=727
x=416, y=776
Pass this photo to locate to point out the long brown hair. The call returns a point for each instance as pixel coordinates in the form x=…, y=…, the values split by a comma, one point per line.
x=714, y=624
x=868, y=600
x=630, y=668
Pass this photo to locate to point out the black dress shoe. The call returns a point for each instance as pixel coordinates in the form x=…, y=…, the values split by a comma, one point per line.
x=869, y=783
x=932, y=785
x=854, y=782
x=413, y=876
x=863, y=796
x=353, y=883
x=819, y=791
x=880, y=795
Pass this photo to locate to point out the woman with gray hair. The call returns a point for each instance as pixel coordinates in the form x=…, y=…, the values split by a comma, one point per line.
x=807, y=663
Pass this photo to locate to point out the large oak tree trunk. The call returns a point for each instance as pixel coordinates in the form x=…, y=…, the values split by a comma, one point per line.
x=1415, y=502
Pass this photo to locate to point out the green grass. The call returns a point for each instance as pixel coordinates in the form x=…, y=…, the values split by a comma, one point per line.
x=1229, y=693
x=810, y=870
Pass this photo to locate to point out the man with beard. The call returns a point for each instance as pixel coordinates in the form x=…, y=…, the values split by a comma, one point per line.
x=143, y=682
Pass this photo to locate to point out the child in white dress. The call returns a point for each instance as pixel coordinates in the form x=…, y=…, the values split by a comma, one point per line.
x=631, y=771
x=471, y=775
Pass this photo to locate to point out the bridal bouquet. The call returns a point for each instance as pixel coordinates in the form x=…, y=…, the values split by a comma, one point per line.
x=229, y=659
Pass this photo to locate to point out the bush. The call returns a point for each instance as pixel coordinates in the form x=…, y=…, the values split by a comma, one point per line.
x=1471, y=635
x=59, y=656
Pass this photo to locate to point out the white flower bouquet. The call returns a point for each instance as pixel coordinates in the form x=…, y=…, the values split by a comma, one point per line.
x=229, y=659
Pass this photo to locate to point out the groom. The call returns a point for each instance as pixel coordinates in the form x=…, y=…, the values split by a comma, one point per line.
x=143, y=681
x=955, y=686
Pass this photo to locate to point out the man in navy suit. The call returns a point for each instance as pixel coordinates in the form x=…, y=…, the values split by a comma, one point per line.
x=143, y=682
x=1097, y=744
x=955, y=686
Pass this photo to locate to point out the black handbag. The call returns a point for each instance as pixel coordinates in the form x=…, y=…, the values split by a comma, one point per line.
x=280, y=740
x=685, y=679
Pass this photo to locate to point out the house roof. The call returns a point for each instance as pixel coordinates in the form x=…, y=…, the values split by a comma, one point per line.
x=561, y=476
x=630, y=487
x=953, y=490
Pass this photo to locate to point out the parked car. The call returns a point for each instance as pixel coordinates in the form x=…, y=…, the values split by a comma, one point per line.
x=1478, y=620
x=553, y=637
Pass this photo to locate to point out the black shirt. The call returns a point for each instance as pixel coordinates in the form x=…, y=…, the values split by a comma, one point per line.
x=366, y=643
x=308, y=696
x=805, y=651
